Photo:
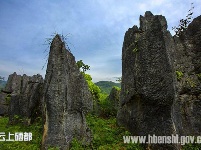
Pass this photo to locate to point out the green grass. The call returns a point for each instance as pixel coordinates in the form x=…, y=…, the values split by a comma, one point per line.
x=35, y=129
x=106, y=135
x=192, y=147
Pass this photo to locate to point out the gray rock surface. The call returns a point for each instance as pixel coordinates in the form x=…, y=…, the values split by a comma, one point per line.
x=2, y=98
x=66, y=98
x=25, y=101
x=147, y=92
x=3, y=110
x=187, y=107
x=153, y=100
x=114, y=98
x=14, y=83
x=3, y=104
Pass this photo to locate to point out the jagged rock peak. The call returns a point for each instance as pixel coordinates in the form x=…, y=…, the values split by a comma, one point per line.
x=148, y=14
x=66, y=99
x=161, y=88
x=16, y=83
x=25, y=100
x=148, y=19
x=147, y=88
x=57, y=38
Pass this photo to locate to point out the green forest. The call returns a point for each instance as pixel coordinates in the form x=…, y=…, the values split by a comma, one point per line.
x=106, y=86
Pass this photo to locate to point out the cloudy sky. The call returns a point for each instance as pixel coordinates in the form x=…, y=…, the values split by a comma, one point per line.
x=94, y=28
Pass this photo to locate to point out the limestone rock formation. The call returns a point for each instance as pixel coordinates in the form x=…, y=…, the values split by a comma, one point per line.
x=26, y=93
x=66, y=99
x=114, y=98
x=3, y=104
x=147, y=78
x=187, y=107
x=14, y=84
x=154, y=100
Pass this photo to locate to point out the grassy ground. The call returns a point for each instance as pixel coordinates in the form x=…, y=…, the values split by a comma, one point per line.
x=34, y=144
x=106, y=135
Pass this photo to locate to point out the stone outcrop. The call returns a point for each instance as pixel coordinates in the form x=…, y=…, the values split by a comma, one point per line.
x=3, y=104
x=187, y=106
x=114, y=98
x=153, y=100
x=66, y=99
x=25, y=101
x=14, y=84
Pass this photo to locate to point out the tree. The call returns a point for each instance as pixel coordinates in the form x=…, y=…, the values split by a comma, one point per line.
x=83, y=66
x=183, y=23
x=94, y=89
x=119, y=79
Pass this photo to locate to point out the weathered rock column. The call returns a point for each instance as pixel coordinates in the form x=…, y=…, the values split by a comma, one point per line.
x=25, y=100
x=148, y=79
x=114, y=98
x=187, y=107
x=66, y=99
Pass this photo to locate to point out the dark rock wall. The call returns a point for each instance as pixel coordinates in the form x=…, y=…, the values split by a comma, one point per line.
x=147, y=78
x=153, y=100
x=3, y=104
x=114, y=98
x=187, y=107
x=25, y=101
x=13, y=84
x=66, y=98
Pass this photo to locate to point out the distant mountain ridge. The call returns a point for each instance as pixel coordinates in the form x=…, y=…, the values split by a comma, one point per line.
x=106, y=86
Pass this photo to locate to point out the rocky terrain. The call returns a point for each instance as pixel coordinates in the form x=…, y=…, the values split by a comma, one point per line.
x=66, y=99
x=160, y=89
x=160, y=80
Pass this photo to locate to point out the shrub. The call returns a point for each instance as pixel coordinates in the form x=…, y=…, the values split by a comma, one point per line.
x=199, y=76
x=107, y=135
x=8, y=98
x=179, y=75
x=183, y=23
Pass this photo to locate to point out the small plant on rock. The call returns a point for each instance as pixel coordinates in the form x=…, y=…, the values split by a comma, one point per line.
x=191, y=83
x=179, y=75
x=199, y=76
x=136, y=47
x=8, y=97
x=183, y=23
